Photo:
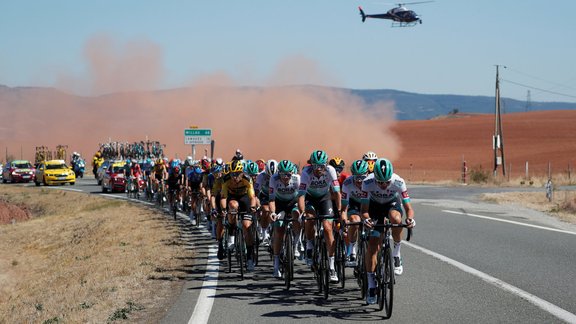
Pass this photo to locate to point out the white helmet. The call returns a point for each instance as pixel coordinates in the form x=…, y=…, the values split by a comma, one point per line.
x=369, y=156
x=271, y=167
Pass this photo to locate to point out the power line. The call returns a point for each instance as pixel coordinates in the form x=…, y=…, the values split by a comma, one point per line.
x=540, y=79
x=539, y=89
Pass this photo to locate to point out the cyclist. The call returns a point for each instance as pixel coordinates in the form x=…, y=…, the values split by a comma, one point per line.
x=386, y=194
x=283, y=195
x=352, y=195
x=194, y=183
x=252, y=171
x=338, y=164
x=175, y=182
x=262, y=189
x=208, y=184
x=220, y=175
x=237, y=194
x=317, y=182
x=136, y=174
x=160, y=174
x=261, y=164
x=370, y=157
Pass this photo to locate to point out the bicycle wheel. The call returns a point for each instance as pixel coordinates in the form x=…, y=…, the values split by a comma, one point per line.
x=316, y=269
x=228, y=252
x=324, y=272
x=288, y=258
x=240, y=252
x=386, y=282
x=362, y=276
x=256, y=242
x=340, y=259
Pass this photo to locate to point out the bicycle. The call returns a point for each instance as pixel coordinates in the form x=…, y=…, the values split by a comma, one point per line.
x=173, y=194
x=239, y=250
x=287, y=252
x=360, y=268
x=340, y=254
x=385, y=268
x=254, y=234
x=320, y=265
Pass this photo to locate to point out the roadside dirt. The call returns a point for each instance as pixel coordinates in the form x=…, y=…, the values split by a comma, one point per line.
x=10, y=213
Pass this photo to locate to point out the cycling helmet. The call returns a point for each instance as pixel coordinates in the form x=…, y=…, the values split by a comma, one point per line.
x=383, y=170
x=159, y=162
x=226, y=167
x=236, y=166
x=219, y=161
x=271, y=167
x=337, y=163
x=369, y=156
x=261, y=164
x=128, y=162
x=238, y=155
x=216, y=168
x=359, y=167
x=252, y=168
x=318, y=157
x=285, y=166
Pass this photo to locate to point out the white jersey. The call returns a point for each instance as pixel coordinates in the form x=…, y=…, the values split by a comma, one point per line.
x=318, y=187
x=396, y=188
x=262, y=183
x=285, y=192
x=351, y=194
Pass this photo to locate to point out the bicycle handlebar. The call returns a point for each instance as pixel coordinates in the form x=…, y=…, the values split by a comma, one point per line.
x=409, y=233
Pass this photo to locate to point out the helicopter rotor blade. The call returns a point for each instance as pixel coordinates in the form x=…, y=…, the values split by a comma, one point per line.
x=411, y=3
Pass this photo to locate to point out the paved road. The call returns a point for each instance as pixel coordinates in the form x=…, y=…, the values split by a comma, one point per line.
x=468, y=262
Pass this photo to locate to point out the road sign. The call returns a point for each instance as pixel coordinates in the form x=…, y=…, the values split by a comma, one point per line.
x=197, y=136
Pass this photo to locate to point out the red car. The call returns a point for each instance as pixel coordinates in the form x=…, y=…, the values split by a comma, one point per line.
x=18, y=171
x=114, y=178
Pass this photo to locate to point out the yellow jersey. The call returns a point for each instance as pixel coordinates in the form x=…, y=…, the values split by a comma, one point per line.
x=237, y=189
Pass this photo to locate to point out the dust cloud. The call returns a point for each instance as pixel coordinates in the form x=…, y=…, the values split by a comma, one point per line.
x=277, y=120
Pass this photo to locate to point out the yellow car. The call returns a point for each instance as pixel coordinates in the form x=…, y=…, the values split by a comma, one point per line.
x=54, y=172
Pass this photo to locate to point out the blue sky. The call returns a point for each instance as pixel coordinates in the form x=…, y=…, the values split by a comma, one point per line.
x=453, y=52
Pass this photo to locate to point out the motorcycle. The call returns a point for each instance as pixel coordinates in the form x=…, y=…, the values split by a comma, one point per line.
x=79, y=168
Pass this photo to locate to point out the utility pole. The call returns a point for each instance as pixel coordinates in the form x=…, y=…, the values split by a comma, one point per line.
x=497, y=139
x=528, y=101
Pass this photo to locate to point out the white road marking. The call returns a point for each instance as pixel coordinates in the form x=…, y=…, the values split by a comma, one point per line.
x=509, y=221
x=68, y=189
x=541, y=303
x=201, y=312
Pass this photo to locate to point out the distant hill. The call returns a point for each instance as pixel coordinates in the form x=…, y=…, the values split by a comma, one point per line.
x=414, y=106
x=409, y=106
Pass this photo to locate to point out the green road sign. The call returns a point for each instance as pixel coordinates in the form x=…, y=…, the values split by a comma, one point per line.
x=197, y=136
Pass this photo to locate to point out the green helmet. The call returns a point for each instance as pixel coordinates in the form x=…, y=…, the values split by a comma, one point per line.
x=286, y=166
x=359, y=167
x=383, y=170
x=252, y=168
x=318, y=157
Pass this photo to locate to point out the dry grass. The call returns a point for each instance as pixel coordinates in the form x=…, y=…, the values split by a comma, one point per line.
x=563, y=205
x=86, y=259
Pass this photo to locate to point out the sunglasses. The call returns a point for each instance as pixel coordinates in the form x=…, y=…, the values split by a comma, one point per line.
x=285, y=174
x=319, y=166
x=359, y=178
x=383, y=183
x=236, y=174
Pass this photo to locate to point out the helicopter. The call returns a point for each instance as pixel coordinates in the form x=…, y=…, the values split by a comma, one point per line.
x=400, y=15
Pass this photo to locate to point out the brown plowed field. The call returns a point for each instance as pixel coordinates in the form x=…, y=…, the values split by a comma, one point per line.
x=433, y=150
